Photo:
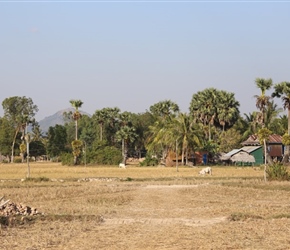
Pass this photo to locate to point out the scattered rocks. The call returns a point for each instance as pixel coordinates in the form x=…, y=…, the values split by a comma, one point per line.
x=9, y=208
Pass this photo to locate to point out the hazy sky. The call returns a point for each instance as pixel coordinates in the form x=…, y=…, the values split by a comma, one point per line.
x=133, y=54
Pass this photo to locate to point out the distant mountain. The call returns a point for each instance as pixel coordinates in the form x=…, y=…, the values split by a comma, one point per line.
x=57, y=118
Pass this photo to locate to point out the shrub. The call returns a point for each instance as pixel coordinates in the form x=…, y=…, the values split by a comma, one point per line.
x=149, y=161
x=108, y=155
x=67, y=159
x=277, y=171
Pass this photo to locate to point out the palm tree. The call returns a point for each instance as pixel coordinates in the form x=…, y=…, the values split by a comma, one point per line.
x=182, y=128
x=271, y=113
x=203, y=107
x=214, y=108
x=126, y=135
x=159, y=141
x=262, y=100
x=282, y=90
x=251, y=123
x=101, y=117
x=164, y=109
x=227, y=109
x=76, y=115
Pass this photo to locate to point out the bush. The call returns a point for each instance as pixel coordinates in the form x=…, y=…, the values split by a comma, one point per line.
x=277, y=171
x=149, y=161
x=67, y=159
x=108, y=156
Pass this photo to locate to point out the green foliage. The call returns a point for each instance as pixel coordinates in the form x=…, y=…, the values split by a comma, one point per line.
x=213, y=107
x=229, y=140
x=149, y=161
x=164, y=109
x=263, y=134
x=36, y=148
x=67, y=159
x=57, y=140
x=278, y=172
x=19, y=111
x=22, y=148
x=6, y=136
x=286, y=139
x=77, y=147
x=107, y=155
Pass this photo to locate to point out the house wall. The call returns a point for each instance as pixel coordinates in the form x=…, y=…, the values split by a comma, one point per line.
x=275, y=150
x=259, y=157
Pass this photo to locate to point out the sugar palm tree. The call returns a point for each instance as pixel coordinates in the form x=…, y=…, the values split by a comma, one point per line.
x=164, y=109
x=203, y=108
x=282, y=90
x=126, y=135
x=262, y=100
x=227, y=109
x=76, y=115
x=101, y=117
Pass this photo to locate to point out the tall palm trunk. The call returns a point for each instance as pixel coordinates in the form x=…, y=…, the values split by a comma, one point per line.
x=265, y=166
x=76, y=129
x=287, y=147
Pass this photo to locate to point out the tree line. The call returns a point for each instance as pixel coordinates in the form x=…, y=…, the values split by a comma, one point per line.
x=213, y=124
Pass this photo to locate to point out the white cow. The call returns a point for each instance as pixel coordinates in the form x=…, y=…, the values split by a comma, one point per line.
x=122, y=165
x=206, y=170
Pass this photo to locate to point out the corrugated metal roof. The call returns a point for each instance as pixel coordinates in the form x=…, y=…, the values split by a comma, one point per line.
x=275, y=138
x=228, y=155
x=250, y=149
x=253, y=140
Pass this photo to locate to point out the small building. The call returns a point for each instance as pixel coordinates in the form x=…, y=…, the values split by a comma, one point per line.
x=275, y=146
x=247, y=155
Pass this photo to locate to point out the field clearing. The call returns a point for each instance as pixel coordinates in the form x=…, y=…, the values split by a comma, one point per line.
x=56, y=170
x=145, y=208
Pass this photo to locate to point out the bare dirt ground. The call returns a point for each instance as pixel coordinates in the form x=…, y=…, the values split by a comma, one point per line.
x=204, y=213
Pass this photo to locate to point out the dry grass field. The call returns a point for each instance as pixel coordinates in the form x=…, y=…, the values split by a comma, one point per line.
x=145, y=208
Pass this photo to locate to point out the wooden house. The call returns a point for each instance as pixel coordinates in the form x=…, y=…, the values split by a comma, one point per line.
x=274, y=145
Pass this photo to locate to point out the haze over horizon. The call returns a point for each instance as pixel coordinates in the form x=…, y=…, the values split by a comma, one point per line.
x=133, y=54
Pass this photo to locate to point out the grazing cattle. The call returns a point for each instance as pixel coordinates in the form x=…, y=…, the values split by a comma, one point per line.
x=122, y=165
x=206, y=170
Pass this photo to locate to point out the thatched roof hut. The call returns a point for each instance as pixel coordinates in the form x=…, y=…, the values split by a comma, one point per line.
x=243, y=157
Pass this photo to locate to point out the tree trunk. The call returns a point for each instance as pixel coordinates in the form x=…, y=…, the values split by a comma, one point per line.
x=101, y=132
x=76, y=129
x=265, y=167
x=123, y=151
x=186, y=156
x=182, y=156
x=176, y=148
x=13, y=144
